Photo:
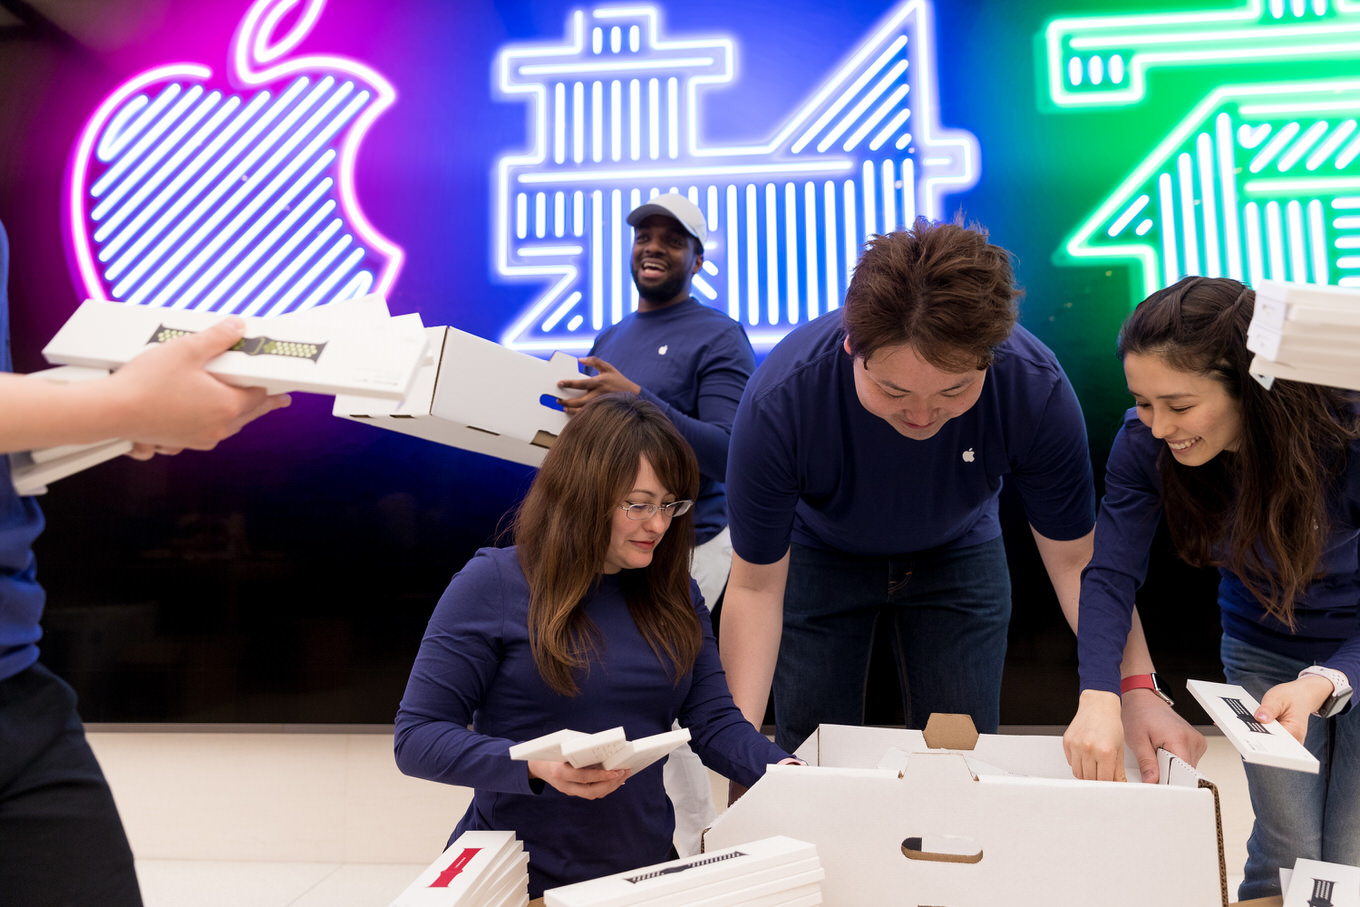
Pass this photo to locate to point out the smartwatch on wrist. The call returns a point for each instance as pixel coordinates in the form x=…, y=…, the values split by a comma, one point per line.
x=1146, y=682
x=1341, y=690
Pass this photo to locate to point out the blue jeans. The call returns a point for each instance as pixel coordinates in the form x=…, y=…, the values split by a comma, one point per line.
x=1297, y=814
x=948, y=610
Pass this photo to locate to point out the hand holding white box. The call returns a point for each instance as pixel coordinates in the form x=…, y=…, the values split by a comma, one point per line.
x=1233, y=709
x=351, y=350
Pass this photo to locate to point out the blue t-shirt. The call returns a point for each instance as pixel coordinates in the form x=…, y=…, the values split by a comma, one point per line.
x=21, y=598
x=1327, y=614
x=693, y=362
x=474, y=690
x=810, y=464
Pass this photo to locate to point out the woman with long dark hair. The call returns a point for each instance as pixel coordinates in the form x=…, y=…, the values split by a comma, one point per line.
x=589, y=622
x=1263, y=484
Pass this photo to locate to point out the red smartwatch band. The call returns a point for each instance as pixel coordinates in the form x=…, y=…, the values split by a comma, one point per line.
x=1136, y=682
x=1145, y=682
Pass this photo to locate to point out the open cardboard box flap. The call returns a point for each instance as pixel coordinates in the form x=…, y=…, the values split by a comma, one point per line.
x=477, y=395
x=1001, y=821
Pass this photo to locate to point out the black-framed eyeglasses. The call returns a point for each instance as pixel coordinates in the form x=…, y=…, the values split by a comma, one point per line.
x=645, y=511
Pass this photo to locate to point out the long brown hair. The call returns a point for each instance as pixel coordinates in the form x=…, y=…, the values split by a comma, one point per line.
x=943, y=288
x=1261, y=511
x=563, y=530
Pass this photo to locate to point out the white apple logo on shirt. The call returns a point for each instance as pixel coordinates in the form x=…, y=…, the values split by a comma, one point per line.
x=968, y=455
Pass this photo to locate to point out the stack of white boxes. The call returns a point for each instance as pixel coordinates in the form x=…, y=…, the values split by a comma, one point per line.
x=479, y=869
x=354, y=347
x=31, y=470
x=608, y=749
x=1303, y=332
x=768, y=872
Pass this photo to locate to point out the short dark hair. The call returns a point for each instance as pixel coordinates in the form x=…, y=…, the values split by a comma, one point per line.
x=940, y=287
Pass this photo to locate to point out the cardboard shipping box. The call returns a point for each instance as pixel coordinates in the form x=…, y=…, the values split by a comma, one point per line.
x=897, y=821
x=477, y=395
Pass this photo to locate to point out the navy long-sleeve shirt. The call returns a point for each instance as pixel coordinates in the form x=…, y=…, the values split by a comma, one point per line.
x=693, y=362
x=475, y=690
x=1327, y=614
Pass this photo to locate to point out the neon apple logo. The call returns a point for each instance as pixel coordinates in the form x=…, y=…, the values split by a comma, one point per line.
x=183, y=196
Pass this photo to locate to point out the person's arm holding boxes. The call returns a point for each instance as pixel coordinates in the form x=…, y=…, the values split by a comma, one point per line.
x=163, y=401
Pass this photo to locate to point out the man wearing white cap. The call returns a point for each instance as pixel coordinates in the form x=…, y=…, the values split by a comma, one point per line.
x=693, y=361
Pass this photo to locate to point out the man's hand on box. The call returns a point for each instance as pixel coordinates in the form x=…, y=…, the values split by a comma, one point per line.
x=166, y=401
x=608, y=380
x=1149, y=723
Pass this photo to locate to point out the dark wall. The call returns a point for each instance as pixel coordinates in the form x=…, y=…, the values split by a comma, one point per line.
x=287, y=576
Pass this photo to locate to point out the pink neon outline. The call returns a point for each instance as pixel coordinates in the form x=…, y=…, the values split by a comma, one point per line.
x=90, y=276
x=253, y=45
x=262, y=48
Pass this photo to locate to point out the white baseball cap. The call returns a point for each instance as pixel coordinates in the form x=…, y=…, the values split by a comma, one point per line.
x=677, y=207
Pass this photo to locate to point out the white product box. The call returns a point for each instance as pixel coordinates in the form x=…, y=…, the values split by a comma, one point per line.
x=548, y=747
x=477, y=395
x=316, y=351
x=1282, y=305
x=1304, y=332
x=31, y=476
x=1233, y=709
x=1001, y=823
x=775, y=867
x=608, y=749
x=593, y=749
x=479, y=869
x=635, y=755
x=1319, y=346
x=1312, y=883
x=370, y=310
x=1330, y=375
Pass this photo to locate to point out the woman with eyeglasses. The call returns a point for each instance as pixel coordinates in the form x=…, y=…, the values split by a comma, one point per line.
x=590, y=621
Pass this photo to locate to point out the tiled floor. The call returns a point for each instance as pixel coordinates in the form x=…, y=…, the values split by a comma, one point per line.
x=320, y=817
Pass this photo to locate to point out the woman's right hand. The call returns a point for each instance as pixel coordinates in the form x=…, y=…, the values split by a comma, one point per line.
x=1094, y=741
x=587, y=783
